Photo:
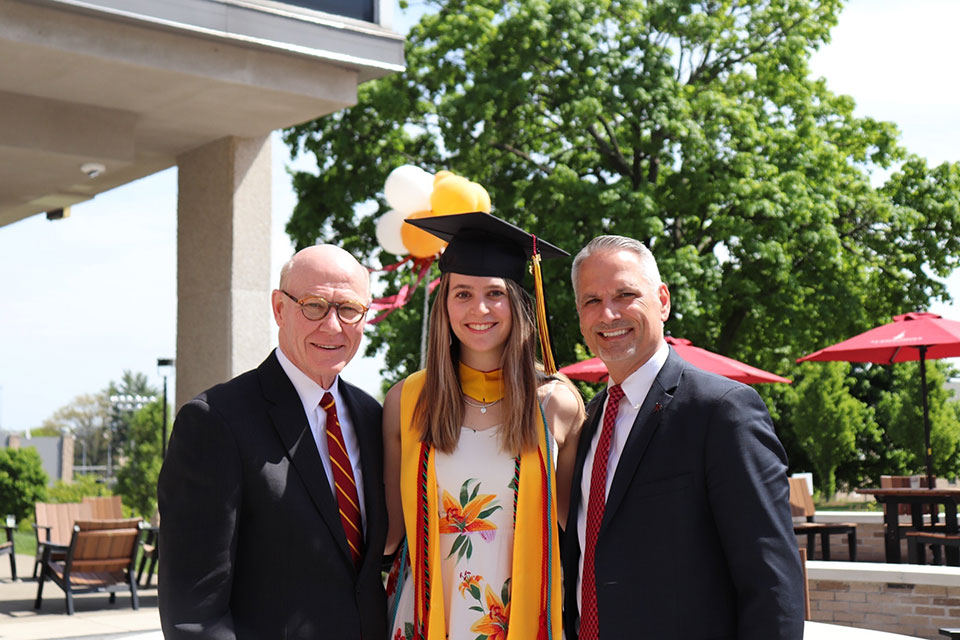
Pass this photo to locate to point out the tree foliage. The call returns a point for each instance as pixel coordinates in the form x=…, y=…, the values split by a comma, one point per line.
x=692, y=125
x=23, y=481
x=900, y=410
x=83, y=485
x=137, y=479
x=827, y=420
x=87, y=418
x=131, y=385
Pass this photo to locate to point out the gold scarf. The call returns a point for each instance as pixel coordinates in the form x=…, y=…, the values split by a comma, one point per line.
x=482, y=386
x=535, y=573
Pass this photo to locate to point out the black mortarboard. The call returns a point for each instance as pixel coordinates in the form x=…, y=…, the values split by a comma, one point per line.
x=481, y=244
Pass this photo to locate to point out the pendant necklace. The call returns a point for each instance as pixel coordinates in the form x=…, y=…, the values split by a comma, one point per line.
x=480, y=405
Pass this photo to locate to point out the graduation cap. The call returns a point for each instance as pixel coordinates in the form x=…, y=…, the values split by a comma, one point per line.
x=481, y=244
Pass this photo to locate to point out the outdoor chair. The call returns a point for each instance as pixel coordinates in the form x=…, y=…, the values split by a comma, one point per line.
x=917, y=540
x=54, y=525
x=100, y=557
x=8, y=548
x=104, y=507
x=806, y=584
x=801, y=504
x=150, y=555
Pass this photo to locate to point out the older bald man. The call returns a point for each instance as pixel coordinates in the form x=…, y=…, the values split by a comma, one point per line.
x=273, y=517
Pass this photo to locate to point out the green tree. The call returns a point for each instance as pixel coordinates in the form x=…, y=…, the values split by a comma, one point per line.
x=126, y=398
x=900, y=412
x=137, y=479
x=692, y=125
x=23, y=481
x=827, y=420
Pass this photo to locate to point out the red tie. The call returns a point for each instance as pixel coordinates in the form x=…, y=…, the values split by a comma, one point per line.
x=589, y=621
x=346, y=487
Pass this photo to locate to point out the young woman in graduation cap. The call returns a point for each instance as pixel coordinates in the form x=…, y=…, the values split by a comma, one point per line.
x=470, y=446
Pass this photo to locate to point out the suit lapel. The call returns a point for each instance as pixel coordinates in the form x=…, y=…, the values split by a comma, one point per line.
x=290, y=423
x=645, y=425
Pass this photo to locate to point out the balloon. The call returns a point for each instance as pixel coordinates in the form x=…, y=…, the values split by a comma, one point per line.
x=420, y=243
x=388, y=232
x=408, y=188
x=454, y=194
x=483, y=198
x=442, y=174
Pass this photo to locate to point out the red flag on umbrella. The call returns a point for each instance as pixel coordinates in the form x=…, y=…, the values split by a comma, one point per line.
x=593, y=370
x=910, y=337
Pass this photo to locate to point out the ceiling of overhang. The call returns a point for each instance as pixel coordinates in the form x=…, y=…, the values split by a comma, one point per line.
x=82, y=86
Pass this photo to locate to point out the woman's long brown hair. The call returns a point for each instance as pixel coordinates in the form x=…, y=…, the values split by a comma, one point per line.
x=439, y=410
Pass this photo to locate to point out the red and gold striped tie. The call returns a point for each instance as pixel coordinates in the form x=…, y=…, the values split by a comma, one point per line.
x=345, y=485
x=589, y=616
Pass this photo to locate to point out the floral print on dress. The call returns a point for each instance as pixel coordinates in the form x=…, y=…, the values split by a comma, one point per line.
x=495, y=609
x=468, y=515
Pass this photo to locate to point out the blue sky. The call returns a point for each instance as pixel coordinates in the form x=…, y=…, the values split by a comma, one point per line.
x=86, y=297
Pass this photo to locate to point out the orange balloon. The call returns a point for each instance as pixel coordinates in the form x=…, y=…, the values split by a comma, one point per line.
x=418, y=242
x=453, y=194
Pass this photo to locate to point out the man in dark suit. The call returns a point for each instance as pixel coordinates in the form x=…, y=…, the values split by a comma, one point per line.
x=679, y=524
x=273, y=517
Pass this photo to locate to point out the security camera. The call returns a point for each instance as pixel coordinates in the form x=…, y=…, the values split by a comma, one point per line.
x=92, y=169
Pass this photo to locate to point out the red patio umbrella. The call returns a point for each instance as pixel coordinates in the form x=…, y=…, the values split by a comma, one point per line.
x=593, y=370
x=911, y=336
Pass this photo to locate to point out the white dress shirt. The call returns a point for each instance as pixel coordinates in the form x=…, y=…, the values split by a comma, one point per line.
x=310, y=394
x=635, y=388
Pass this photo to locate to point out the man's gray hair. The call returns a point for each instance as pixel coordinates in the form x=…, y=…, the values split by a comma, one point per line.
x=602, y=244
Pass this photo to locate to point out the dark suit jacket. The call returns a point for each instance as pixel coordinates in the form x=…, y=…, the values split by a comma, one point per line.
x=697, y=539
x=251, y=542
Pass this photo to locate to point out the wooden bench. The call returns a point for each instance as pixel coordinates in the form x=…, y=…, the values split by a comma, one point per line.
x=916, y=540
x=100, y=557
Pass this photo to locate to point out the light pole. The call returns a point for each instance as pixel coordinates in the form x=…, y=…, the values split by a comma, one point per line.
x=164, y=367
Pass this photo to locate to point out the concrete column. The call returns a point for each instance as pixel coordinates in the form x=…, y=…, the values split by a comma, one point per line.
x=66, y=459
x=223, y=262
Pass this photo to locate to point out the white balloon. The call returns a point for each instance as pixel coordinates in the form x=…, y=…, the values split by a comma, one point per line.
x=388, y=232
x=408, y=189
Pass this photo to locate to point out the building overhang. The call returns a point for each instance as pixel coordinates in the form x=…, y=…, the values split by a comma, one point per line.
x=129, y=85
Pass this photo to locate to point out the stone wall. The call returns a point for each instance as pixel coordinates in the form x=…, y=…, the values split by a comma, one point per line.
x=911, y=600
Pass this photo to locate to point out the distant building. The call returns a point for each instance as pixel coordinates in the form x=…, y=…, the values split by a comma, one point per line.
x=55, y=452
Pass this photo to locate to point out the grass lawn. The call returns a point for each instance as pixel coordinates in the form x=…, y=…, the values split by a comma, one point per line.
x=24, y=541
x=849, y=506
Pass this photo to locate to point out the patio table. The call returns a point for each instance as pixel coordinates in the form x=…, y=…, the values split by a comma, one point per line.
x=917, y=498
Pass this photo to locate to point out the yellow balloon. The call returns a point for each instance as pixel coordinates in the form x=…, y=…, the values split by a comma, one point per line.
x=418, y=242
x=453, y=194
x=483, y=198
x=440, y=175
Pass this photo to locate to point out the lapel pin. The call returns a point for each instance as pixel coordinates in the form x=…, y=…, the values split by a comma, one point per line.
x=657, y=407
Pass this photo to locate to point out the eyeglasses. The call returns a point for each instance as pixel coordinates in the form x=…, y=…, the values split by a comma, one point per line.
x=317, y=308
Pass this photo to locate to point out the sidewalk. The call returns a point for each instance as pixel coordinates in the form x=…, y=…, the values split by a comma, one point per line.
x=95, y=617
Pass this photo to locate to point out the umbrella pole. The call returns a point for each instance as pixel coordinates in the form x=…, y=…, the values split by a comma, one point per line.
x=926, y=415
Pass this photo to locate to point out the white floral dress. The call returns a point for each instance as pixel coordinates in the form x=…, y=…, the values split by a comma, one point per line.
x=475, y=485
